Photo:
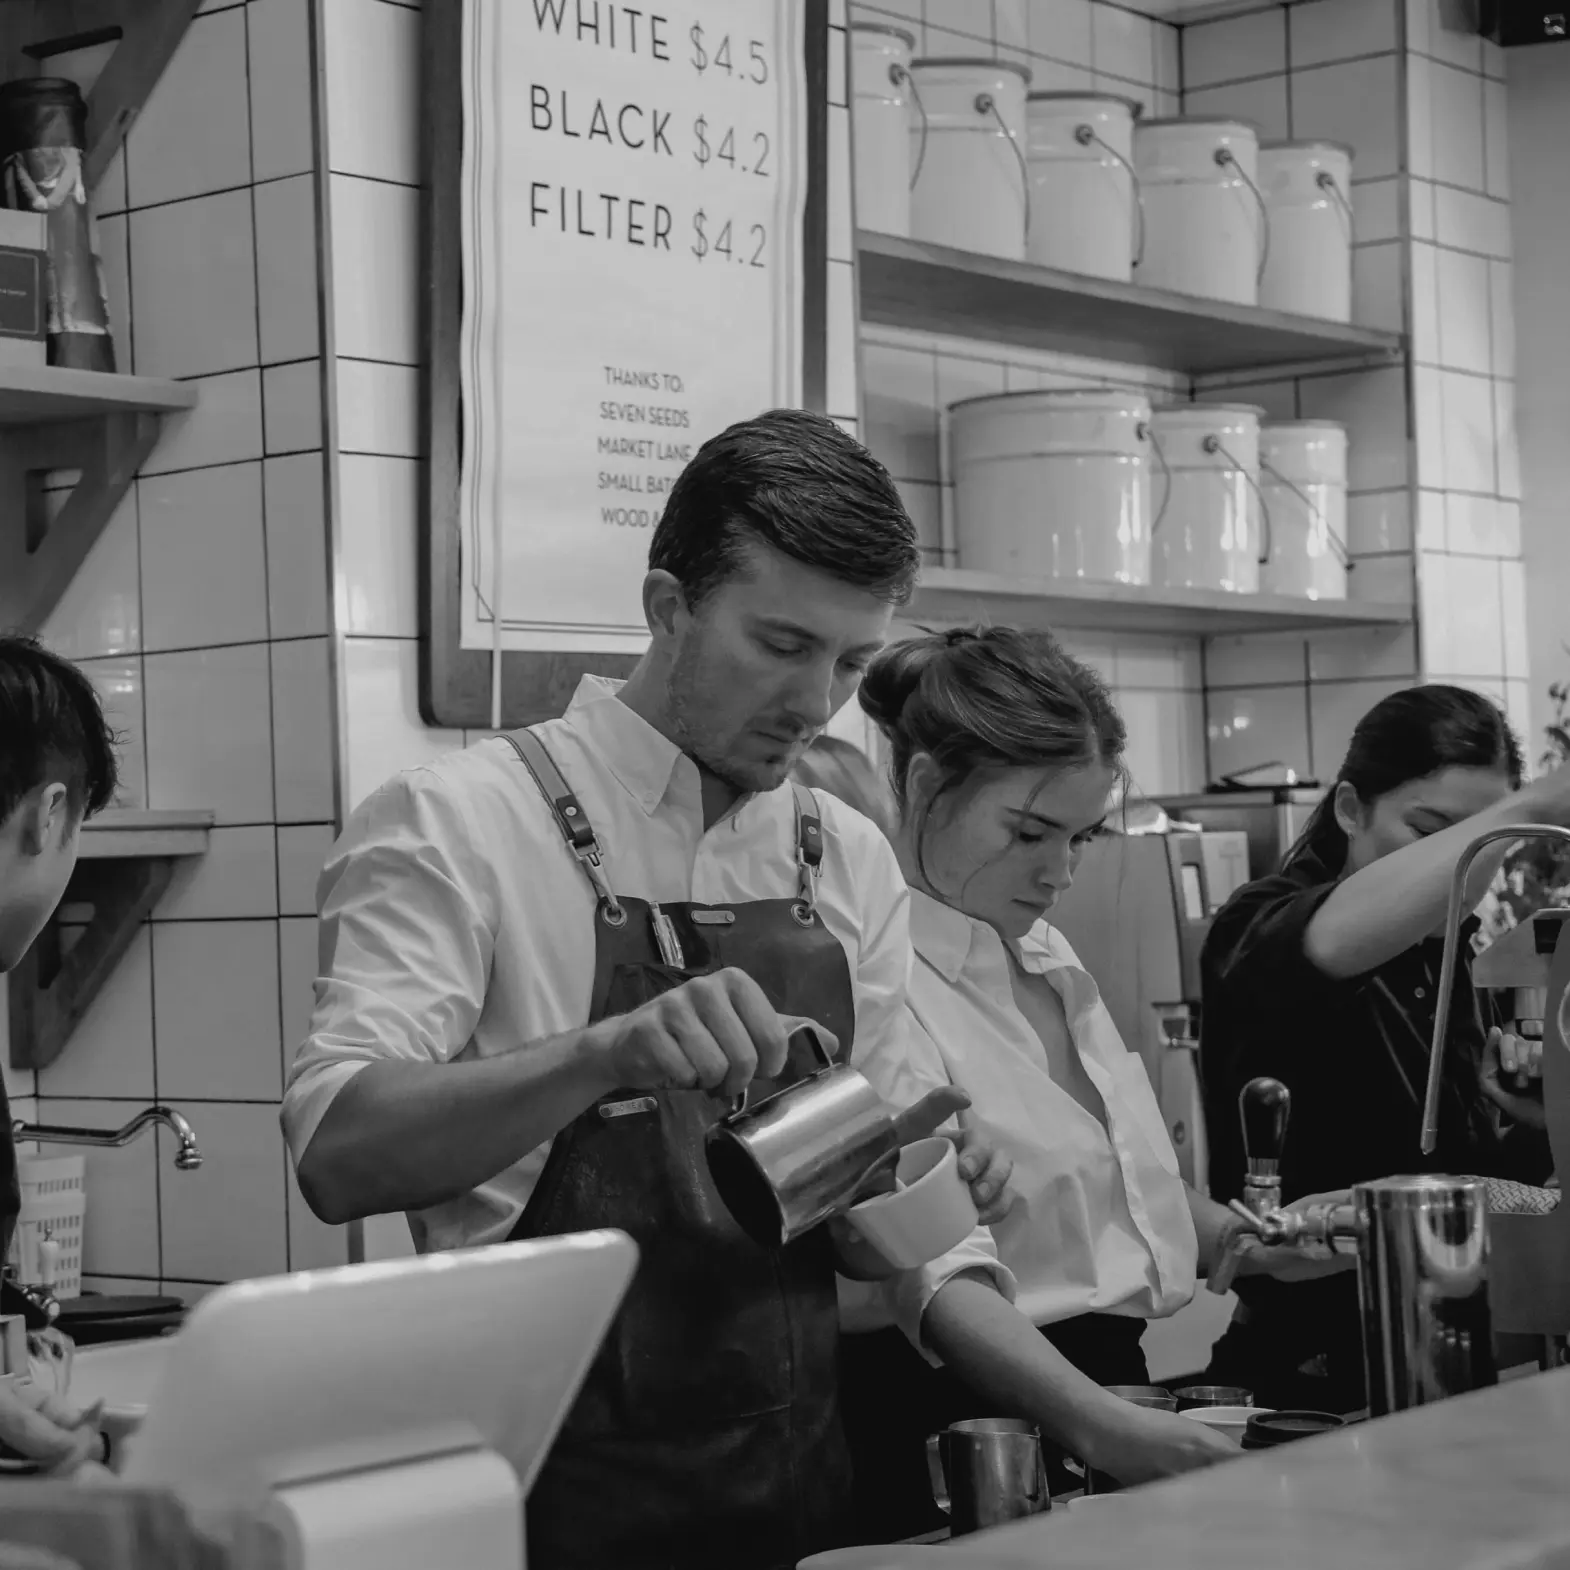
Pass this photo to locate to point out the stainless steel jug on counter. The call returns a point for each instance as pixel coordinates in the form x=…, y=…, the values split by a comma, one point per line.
x=803, y=1154
x=987, y=1471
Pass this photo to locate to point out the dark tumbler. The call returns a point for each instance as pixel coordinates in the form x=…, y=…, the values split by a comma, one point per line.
x=43, y=139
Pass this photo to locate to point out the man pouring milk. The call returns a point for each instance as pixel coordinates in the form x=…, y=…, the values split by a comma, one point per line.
x=545, y=958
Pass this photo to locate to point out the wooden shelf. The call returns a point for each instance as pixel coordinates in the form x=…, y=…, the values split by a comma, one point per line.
x=126, y=863
x=46, y=395
x=120, y=834
x=949, y=595
x=934, y=288
x=100, y=426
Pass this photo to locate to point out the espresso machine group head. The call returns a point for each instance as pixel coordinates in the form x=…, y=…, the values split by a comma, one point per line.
x=1422, y=1249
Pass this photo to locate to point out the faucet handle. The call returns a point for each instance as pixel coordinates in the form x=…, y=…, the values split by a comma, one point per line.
x=1265, y=1106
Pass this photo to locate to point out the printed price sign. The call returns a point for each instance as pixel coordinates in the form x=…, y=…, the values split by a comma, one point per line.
x=633, y=198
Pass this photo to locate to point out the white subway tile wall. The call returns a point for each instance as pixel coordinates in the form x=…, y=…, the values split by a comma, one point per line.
x=202, y=616
x=1433, y=466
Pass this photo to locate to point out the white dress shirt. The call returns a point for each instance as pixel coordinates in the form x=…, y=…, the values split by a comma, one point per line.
x=455, y=922
x=1102, y=1222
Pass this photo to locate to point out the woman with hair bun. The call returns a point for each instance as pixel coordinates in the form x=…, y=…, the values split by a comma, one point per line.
x=1004, y=753
x=1325, y=976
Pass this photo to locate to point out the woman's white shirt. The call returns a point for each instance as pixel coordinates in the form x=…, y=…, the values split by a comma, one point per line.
x=1102, y=1221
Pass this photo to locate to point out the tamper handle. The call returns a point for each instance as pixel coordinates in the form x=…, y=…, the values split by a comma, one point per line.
x=1265, y=1106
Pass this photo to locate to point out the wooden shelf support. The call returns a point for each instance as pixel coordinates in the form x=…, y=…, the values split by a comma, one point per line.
x=147, y=33
x=39, y=560
x=127, y=862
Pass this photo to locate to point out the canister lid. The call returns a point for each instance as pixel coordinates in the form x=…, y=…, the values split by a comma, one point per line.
x=988, y=62
x=1303, y=147
x=909, y=39
x=1178, y=410
x=1133, y=105
x=1228, y=121
x=1298, y=425
x=1062, y=395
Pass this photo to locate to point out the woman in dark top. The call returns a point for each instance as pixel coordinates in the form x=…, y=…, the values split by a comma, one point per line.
x=1324, y=976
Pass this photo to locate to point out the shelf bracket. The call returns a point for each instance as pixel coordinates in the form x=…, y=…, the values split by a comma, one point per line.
x=148, y=33
x=151, y=32
x=38, y=562
x=53, y=988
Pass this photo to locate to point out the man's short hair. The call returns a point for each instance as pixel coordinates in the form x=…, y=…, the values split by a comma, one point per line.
x=52, y=727
x=794, y=481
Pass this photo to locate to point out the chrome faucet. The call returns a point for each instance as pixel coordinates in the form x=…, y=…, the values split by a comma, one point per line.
x=187, y=1158
x=1447, y=968
x=1422, y=1251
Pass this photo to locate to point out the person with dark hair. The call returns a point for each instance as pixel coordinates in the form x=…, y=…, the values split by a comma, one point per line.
x=57, y=768
x=1005, y=752
x=550, y=961
x=1325, y=975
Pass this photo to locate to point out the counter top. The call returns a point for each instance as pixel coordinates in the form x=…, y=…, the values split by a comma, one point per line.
x=1475, y=1483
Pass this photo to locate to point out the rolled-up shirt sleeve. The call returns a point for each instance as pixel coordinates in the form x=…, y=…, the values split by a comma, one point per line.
x=404, y=945
x=904, y=1064
x=1257, y=943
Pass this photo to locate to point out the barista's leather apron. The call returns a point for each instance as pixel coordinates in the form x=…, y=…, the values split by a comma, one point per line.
x=708, y=1431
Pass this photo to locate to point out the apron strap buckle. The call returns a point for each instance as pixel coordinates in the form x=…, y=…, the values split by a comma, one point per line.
x=809, y=854
x=571, y=819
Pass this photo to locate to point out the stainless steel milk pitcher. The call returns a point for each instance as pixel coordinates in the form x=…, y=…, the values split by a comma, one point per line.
x=803, y=1154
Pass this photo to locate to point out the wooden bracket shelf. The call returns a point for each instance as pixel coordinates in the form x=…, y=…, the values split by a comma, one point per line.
x=145, y=33
x=947, y=596
x=127, y=861
x=935, y=288
x=99, y=427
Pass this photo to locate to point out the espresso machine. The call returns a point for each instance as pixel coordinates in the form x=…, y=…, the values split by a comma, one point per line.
x=1422, y=1247
x=1271, y=816
x=1137, y=916
x=1530, y=1228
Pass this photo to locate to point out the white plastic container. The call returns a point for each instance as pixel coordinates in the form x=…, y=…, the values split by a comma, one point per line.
x=1205, y=230
x=1206, y=532
x=1053, y=485
x=1302, y=478
x=54, y=1206
x=1307, y=188
x=881, y=116
x=1083, y=212
x=972, y=188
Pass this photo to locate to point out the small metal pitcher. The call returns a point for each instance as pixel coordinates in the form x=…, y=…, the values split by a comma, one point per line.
x=987, y=1471
x=803, y=1154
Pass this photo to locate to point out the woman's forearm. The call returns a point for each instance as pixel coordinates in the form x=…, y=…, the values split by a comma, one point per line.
x=1001, y=1356
x=1385, y=908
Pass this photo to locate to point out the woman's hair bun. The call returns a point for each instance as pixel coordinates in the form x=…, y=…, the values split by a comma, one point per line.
x=896, y=674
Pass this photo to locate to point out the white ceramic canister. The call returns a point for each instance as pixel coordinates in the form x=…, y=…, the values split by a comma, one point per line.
x=1302, y=479
x=881, y=115
x=1205, y=230
x=1206, y=531
x=1307, y=188
x=1084, y=215
x=1053, y=485
x=972, y=189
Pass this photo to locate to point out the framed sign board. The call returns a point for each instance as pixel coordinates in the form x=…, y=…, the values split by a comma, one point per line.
x=626, y=251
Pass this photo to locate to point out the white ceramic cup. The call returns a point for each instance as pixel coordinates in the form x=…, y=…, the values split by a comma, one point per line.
x=1228, y=1420
x=927, y=1215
